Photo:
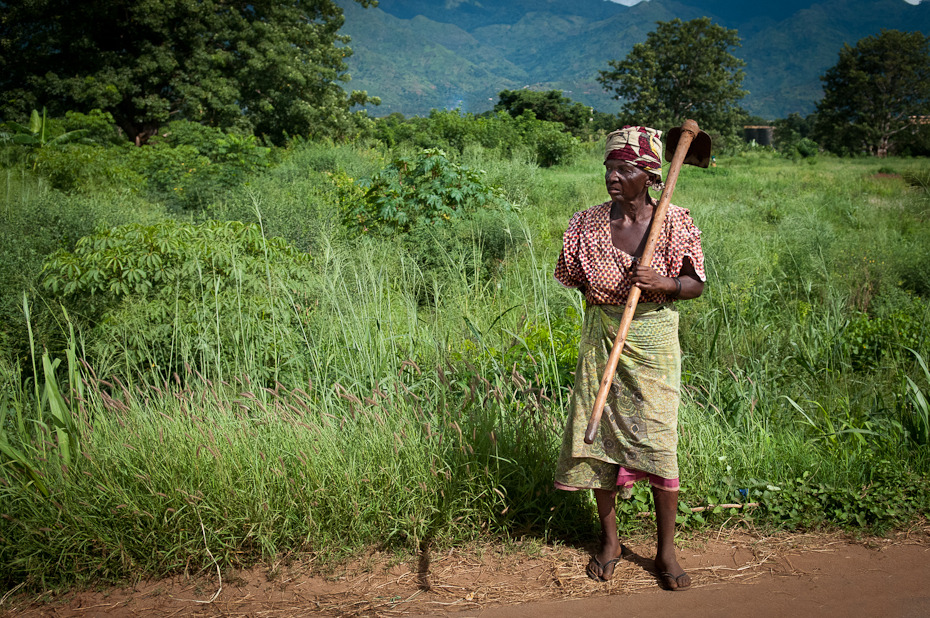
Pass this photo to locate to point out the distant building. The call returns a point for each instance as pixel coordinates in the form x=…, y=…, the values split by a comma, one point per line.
x=762, y=135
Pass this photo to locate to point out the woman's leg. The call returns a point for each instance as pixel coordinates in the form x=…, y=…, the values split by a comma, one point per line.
x=610, y=542
x=667, y=565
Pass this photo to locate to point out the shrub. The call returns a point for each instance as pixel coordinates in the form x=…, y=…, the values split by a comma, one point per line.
x=89, y=168
x=218, y=296
x=425, y=189
x=452, y=131
x=189, y=164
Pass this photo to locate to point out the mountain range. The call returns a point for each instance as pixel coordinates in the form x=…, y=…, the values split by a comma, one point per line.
x=417, y=55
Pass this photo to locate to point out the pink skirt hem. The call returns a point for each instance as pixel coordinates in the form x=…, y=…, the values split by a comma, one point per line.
x=627, y=478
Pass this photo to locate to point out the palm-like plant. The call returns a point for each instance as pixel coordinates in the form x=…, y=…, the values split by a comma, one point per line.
x=36, y=135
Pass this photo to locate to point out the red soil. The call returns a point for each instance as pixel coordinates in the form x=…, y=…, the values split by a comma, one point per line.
x=734, y=572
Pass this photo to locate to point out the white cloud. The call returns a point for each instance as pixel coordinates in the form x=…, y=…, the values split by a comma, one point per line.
x=632, y=2
x=914, y=2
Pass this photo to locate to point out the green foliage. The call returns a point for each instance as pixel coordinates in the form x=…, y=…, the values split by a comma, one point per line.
x=510, y=136
x=191, y=164
x=26, y=424
x=426, y=189
x=684, y=70
x=36, y=221
x=81, y=152
x=266, y=66
x=462, y=253
x=543, y=354
x=38, y=133
x=551, y=106
x=874, y=94
x=37, y=136
x=917, y=417
x=98, y=127
x=868, y=338
x=90, y=168
x=891, y=496
x=442, y=353
x=209, y=295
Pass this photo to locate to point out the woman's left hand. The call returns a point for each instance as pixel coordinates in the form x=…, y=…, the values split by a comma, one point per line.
x=648, y=280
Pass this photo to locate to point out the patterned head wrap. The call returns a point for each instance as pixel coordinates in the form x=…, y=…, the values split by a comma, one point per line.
x=641, y=146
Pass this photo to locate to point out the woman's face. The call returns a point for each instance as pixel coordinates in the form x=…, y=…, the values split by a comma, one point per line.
x=625, y=181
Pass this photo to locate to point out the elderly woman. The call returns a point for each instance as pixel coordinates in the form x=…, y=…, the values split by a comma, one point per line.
x=637, y=438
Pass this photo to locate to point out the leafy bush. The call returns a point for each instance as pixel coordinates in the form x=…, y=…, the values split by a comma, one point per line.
x=37, y=223
x=893, y=495
x=424, y=189
x=98, y=127
x=218, y=296
x=553, y=147
x=89, y=168
x=190, y=164
x=452, y=131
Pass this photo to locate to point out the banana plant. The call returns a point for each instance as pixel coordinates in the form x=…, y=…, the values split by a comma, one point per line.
x=36, y=135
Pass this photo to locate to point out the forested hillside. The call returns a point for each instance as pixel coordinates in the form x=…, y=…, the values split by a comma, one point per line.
x=419, y=55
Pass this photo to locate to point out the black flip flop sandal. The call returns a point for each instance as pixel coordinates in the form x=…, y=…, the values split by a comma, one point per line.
x=600, y=567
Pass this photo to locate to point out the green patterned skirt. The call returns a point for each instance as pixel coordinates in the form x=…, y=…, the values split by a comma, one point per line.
x=639, y=427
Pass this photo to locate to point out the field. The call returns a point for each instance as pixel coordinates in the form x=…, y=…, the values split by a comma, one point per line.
x=269, y=361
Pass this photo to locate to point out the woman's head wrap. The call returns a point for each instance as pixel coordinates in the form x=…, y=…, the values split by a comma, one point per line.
x=641, y=146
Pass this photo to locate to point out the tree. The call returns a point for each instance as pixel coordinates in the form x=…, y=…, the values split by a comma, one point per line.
x=551, y=106
x=877, y=94
x=268, y=65
x=683, y=70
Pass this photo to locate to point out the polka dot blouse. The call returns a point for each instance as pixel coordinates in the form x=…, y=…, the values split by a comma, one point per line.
x=589, y=261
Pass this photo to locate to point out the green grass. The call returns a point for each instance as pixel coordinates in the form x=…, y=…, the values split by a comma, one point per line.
x=424, y=404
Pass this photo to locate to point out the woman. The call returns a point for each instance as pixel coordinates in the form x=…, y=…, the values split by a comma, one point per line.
x=637, y=438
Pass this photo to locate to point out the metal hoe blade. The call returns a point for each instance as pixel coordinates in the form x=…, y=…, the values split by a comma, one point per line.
x=698, y=152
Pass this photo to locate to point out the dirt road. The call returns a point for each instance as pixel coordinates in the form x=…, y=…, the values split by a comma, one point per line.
x=734, y=572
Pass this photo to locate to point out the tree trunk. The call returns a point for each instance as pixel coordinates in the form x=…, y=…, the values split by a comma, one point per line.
x=883, y=145
x=139, y=134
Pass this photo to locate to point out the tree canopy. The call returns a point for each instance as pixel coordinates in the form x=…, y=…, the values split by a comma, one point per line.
x=266, y=65
x=682, y=70
x=551, y=105
x=877, y=96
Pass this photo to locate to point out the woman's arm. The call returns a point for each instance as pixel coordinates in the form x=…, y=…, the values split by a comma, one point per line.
x=648, y=280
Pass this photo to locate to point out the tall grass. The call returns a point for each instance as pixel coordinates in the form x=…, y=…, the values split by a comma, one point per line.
x=423, y=404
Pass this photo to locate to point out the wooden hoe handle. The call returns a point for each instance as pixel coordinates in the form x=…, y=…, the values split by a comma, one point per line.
x=688, y=131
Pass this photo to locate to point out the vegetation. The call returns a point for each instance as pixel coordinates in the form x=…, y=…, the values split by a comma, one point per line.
x=215, y=349
x=523, y=136
x=553, y=106
x=268, y=66
x=877, y=95
x=417, y=64
x=683, y=70
x=257, y=372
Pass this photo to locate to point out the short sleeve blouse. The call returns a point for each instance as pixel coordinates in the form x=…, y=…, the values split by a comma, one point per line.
x=590, y=261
